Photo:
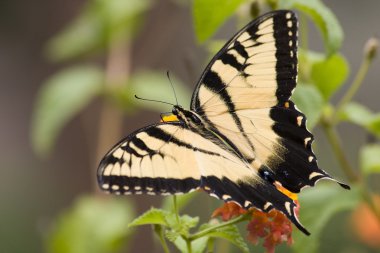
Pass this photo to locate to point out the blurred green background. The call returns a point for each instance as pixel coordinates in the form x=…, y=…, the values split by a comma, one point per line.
x=35, y=190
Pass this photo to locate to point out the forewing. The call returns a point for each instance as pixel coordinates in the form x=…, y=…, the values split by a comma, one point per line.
x=169, y=158
x=244, y=96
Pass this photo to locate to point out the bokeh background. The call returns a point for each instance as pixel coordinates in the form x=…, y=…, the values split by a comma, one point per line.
x=35, y=190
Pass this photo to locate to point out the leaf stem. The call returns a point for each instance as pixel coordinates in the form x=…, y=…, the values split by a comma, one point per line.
x=336, y=144
x=358, y=81
x=159, y=232
x=188, y=245
x=175, y=208
x=221, y=225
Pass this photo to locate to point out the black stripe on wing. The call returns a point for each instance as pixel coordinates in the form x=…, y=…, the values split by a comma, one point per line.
x=298, y=166
x=134, y=148
x=260, y=195
x=147, y=185
x=286, y=54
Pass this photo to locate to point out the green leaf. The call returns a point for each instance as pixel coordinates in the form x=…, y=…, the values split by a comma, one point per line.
x=210, y=15
x=100, y=23
x=94, y=225
x=197, y=246
x=309, y=100
x=356, y=113
x=323, y=17
x=362, y=116
x=329, y=74
x=369, y=159
x=152, y=216
x=231, y=234
x=155, y=85
x=318, y=206
x=60, y=98
x=182, y=225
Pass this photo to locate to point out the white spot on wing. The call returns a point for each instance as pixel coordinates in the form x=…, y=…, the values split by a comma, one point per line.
x=289, y=24
x=307, y=140
x=287, y=206
x=314, y=174
x=288, y=15
x=311, y=159
x=247, y=203
x=214, y=195
x=226, y=197
x=105, y=186
x=299, y=120
x=267, y=205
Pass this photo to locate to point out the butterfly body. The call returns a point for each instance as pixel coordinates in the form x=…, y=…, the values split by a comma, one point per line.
x=241, y=137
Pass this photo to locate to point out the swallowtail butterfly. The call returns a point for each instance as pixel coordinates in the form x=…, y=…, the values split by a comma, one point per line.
x=241, y=136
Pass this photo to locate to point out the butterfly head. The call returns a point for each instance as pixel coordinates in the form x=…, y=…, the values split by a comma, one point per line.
x=188, y=117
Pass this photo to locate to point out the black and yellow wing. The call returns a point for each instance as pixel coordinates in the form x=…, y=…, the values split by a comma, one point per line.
x=169, y=158
x=246, y=135
x=244, y=96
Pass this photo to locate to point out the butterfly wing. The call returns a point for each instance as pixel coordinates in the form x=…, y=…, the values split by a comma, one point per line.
x=169, y=158
x=244, y=96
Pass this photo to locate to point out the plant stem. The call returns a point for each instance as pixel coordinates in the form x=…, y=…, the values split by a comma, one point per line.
x=188, y=244
x=110, y=119
x=335, y=142
x=175, y=208
x=159, y=232
x=358, y=80
x=221, y=225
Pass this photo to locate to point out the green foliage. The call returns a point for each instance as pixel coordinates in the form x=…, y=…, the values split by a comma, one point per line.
x=229, y=233
x=362, y=116
x=92, y=225
x=323, y=17
x=149, y=85
x=101, y=22
x=370, y=159
x=153, y=216
x=309, y=100
x=326, y=73
x=155, y=85
x=317, y=208
x=329, y=74
x=100, y=225
x=60, y=98
x=210, y=15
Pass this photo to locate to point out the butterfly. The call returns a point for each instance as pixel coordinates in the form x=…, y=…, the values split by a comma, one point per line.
x=241, y=137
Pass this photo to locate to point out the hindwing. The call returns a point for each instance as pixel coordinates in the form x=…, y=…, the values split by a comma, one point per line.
x=169, y=158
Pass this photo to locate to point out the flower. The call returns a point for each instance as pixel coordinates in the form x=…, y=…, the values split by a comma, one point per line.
x=228, y=211
x=273, y=227
x=366, y=224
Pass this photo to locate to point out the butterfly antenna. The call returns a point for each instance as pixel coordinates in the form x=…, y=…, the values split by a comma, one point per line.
x=153, y=100
x=175, y=95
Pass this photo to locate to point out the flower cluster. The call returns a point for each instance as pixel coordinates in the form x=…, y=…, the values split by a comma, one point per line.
x=273, y=227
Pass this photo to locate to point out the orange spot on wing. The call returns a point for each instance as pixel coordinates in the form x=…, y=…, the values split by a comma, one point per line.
x=288, y=193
